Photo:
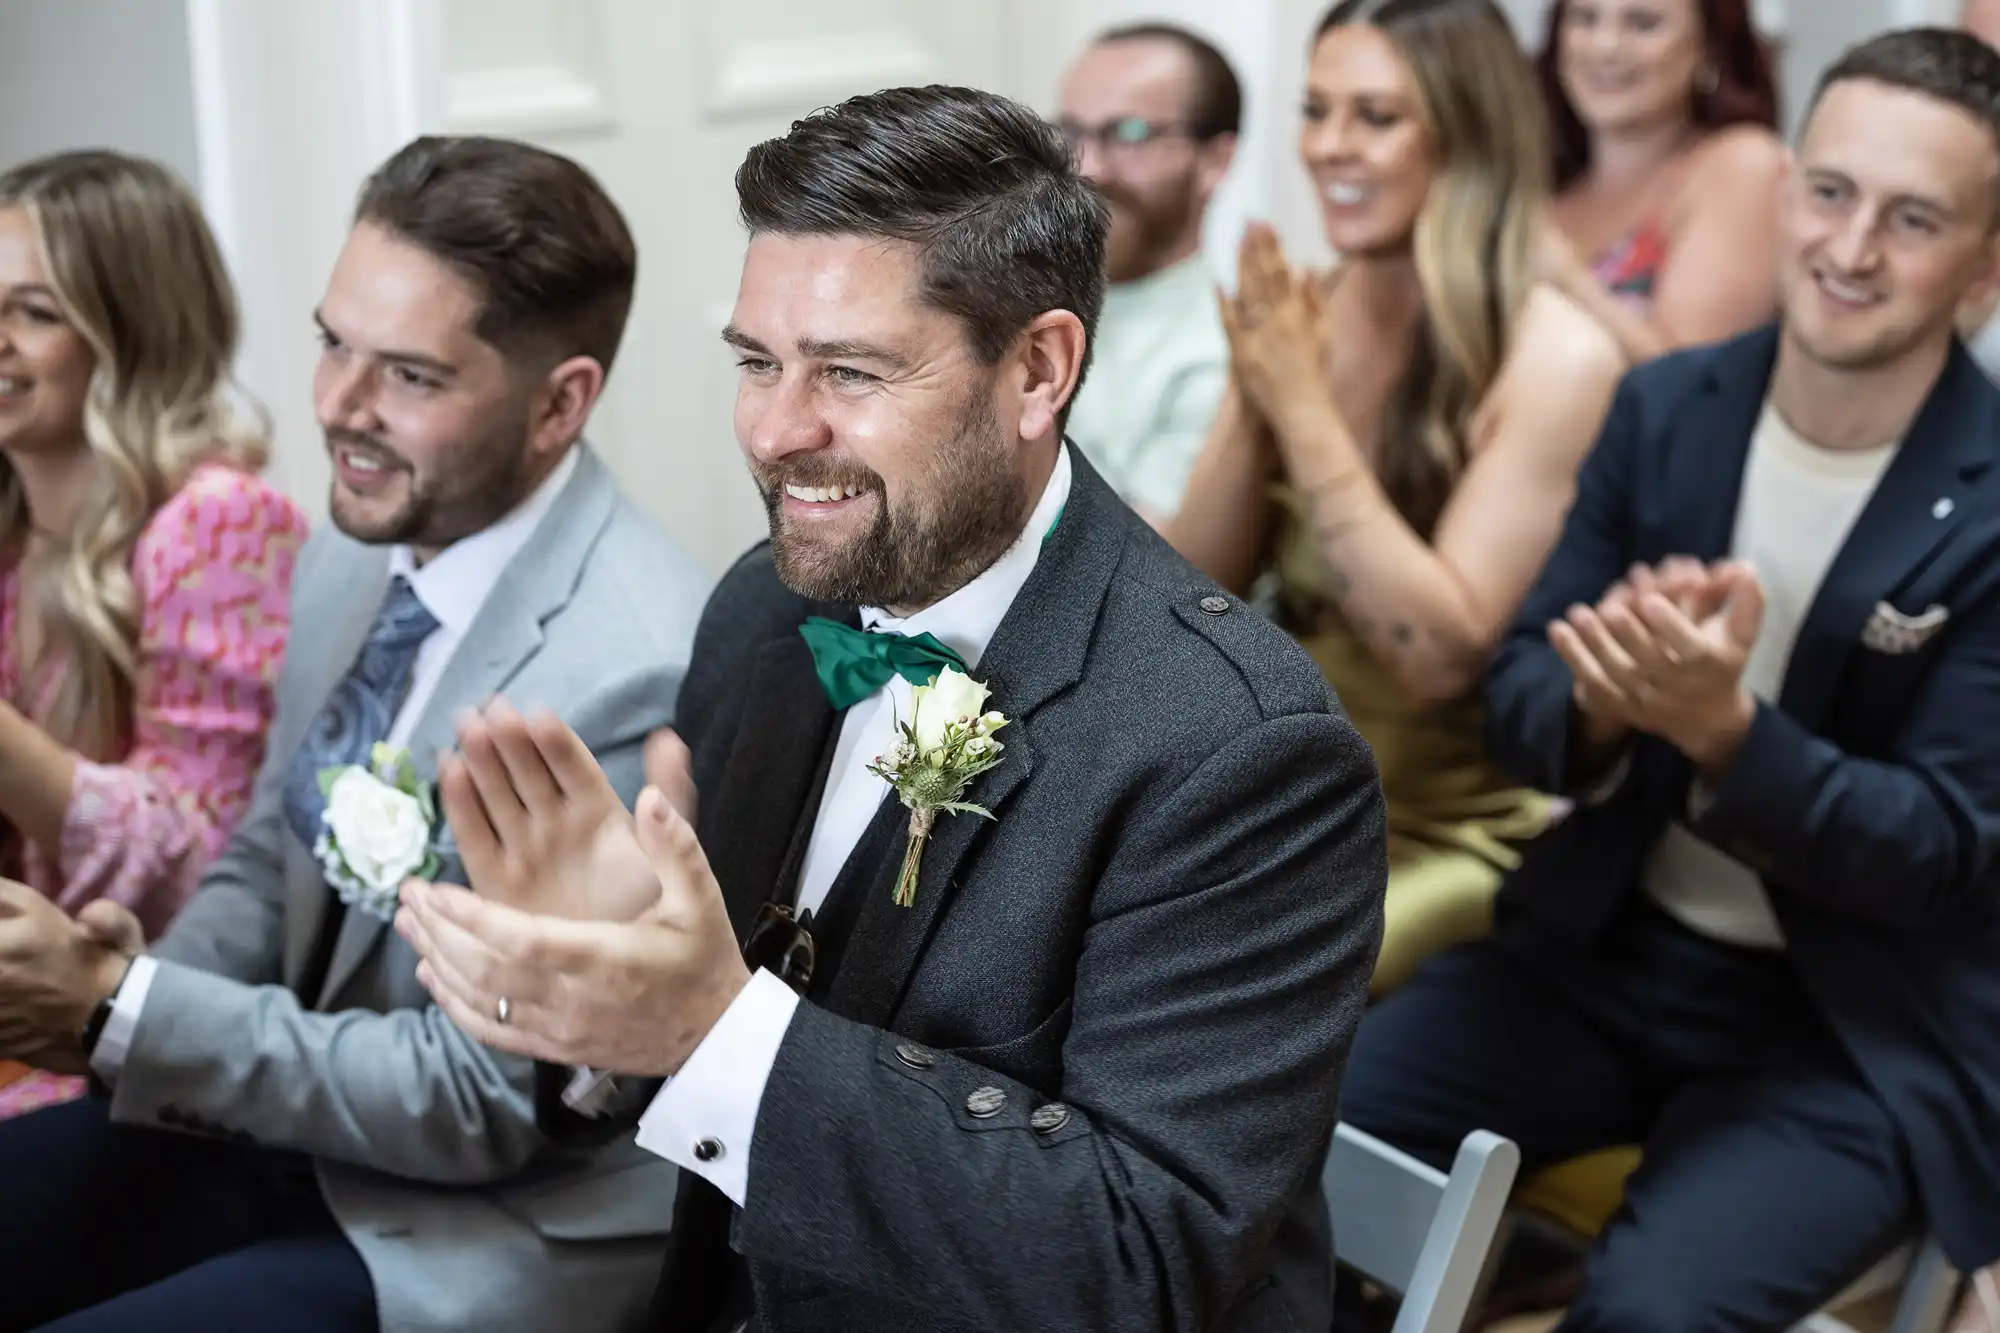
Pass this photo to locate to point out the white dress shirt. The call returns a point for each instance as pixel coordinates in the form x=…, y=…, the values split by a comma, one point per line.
x=453, y=586
x=713, y=1101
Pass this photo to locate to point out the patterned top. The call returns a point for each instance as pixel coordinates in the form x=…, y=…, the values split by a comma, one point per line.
x=214, y=575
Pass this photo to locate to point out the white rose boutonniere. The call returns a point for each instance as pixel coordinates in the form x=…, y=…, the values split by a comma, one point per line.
x=945, y=744
x=378, y=829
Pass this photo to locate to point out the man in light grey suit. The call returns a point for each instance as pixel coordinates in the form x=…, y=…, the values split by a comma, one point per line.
x=287, y=1133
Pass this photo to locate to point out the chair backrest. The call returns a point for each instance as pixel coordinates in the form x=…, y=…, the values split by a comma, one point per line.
x=1929, y=1284
x=1415, y=1230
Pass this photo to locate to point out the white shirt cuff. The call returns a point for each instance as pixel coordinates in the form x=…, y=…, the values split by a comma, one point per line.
x=703, y=1119
x=115, y=1042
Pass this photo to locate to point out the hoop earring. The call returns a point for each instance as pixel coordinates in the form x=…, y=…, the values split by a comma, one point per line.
x=1706, y=80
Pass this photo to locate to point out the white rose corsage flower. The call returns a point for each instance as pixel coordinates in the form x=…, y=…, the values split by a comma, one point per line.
x=945, y=744
x=378, y=828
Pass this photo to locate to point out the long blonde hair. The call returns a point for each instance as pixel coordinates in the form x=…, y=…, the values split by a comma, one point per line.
x=1473, y=240
x=137, y=273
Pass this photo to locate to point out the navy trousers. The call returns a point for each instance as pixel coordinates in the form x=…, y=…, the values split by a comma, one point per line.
x=1772, y=1175
x=114, y=1229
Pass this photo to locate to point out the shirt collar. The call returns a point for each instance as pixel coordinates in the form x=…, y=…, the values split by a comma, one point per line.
x=455, y=584
x=965, y=621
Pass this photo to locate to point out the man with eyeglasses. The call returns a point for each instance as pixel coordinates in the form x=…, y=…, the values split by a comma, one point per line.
x=1152, y=112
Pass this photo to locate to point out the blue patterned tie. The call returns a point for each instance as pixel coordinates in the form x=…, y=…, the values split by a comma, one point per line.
x=361, y=708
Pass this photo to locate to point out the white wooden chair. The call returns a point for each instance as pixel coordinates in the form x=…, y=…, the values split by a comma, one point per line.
x=1928, y=1280
x=1414, y=1230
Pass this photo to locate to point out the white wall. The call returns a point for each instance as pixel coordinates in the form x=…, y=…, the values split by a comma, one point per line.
x=97, y=74
x=296, y=101
x=272, y=109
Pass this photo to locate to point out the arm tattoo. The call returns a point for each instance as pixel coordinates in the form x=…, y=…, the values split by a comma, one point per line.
x=1400, y=638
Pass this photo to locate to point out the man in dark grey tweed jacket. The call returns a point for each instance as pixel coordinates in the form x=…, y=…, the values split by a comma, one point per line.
x=1087, y=1078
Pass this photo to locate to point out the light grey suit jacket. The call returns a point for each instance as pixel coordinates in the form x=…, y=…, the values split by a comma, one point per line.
x=426, y=1143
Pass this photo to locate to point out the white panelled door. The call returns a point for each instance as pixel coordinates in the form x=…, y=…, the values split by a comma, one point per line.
x=661, y=99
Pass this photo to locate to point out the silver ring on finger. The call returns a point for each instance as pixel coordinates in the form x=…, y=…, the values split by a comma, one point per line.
x=503, y=1012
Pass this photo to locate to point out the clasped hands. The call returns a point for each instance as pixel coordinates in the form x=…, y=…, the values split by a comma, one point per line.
x=604, y=931
x=55, y=971
x=1277, y=330
x=1663, y=652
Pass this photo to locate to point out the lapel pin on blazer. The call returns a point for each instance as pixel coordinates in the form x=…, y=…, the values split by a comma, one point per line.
x=946, y=743
x=1890, y=631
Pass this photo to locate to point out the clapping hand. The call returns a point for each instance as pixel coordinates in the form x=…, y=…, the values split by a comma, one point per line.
x=1686, y=582
x=538, y=825
x=1276, y=324
x=113, y=926
x=1663, y=652
x=591, y=936
x=53, y=973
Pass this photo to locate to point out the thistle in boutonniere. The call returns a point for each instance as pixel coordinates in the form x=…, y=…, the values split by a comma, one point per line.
x=945, y=744
x=377, y=829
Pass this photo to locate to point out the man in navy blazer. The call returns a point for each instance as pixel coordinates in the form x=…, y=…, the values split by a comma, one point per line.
x=1764, y=660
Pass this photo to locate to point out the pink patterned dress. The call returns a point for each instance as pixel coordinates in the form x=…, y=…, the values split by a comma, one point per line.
x=214, y=575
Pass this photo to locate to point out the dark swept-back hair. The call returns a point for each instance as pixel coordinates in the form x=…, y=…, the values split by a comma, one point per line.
x=1745, y=92
x=985, y=188
x=1215, y=104
x=1947, y=64
x=535, y=232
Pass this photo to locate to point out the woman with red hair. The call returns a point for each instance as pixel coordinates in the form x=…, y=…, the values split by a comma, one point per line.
x=1667, y=161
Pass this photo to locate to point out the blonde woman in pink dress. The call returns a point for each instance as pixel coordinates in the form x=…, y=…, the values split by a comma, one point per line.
x=144, y=568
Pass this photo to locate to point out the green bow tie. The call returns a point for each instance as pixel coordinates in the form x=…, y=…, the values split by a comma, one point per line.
x=853, y=664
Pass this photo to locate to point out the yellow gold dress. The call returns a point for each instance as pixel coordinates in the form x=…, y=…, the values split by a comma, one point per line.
x=1456, y=823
